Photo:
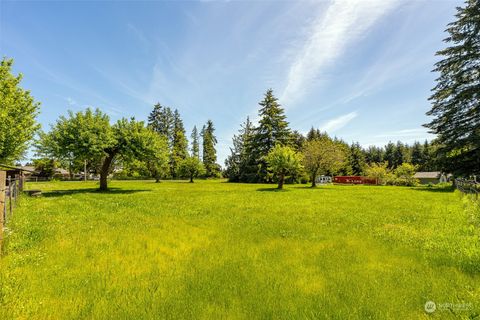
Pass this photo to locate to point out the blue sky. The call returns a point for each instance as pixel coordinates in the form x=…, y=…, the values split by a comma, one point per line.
x=358, y=69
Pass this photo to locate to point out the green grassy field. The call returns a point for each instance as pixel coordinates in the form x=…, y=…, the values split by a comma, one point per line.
x=218, y=250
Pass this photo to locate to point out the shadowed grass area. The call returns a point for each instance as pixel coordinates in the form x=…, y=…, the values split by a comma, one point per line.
x=217, y=250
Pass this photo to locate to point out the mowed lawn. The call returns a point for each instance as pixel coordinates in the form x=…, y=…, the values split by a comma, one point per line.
x=242, y=251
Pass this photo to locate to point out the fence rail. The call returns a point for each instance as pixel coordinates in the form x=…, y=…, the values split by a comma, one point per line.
x=9, y=193
x=468, y=187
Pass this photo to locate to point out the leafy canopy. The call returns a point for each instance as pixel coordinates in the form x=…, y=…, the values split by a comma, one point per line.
x=18, y=111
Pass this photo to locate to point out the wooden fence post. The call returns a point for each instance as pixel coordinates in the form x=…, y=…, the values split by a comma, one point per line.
x=10, y=194
x=2, y=204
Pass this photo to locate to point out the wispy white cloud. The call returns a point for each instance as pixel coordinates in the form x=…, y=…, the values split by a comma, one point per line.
x=339, y=122
x=343, y=23
x=417, y=132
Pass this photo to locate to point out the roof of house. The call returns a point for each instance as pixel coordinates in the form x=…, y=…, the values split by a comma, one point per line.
x=427, y=175
x=61, y=171
x=26, y=168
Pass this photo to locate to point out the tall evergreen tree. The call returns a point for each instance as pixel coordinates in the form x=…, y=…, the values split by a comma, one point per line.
x=390, y=154
x=356, y=159
x=272, y=129
x=399, y=156
x=297, y=140
x=209, y=153
x=161, y=120
x=456, y=98
x=179, y=144
x=236, y=163
x=313, y=134
x=418, y=155
x=195, y=143
x=374, y=155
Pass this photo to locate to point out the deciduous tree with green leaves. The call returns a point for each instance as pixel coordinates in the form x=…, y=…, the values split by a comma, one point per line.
x=191, y=167
x=322, y=156
x=379, y=171
x=283, y=161
x=18, y=112
x=89, y=135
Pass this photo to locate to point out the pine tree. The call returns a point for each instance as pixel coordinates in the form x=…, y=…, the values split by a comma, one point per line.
x=237, y=163
x=195, y=143
x=161, y=120
x=356, y=159
x=418, y=155
x=456, y=98
x=399, y=154
x=374, y=155
x=313, y=134
x=179, y=144
x=390, y=154
x=272, y=129
x=209, y=153
x=297, y=140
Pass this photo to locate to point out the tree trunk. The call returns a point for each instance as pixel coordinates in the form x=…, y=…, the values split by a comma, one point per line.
x=191, y=178
x=314, y=183
x=281, y=178
x=70, y=170
x=105, y=170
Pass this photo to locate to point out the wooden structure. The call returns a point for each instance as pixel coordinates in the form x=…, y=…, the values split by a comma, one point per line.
x=432, y=177
x=16, y=173
x=354, y=180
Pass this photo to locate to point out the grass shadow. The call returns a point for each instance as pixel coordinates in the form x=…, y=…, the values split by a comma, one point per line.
x=274, y=189
x=309, y=187
x=61, y=193
x=446, y=189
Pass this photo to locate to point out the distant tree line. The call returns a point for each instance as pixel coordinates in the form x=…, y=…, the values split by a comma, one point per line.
x=322, y=154
x=158, y=149
x=169, y=125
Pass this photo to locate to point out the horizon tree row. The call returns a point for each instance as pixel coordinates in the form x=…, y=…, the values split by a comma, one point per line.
x=247, y=161
x=169, y=125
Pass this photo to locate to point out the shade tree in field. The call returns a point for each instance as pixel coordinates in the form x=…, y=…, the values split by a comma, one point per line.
x=283, y=161
x=76, y=138
x=322, y=155
x=456, y=99
x=191, y=167
x=89, y=135
x=18, y=112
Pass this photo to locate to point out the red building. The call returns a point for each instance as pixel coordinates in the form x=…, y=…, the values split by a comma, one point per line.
x=354, y=180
